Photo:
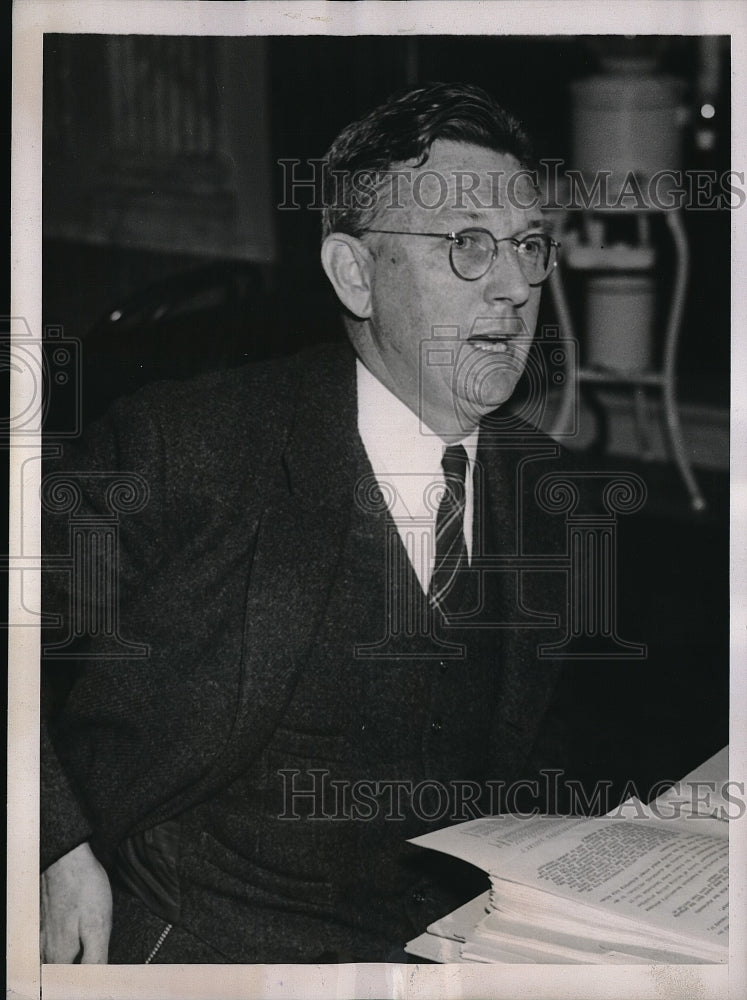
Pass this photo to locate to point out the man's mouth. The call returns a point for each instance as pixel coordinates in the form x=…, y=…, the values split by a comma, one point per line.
x=492, y=343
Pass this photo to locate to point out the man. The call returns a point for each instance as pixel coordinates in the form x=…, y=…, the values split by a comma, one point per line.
x=322, y=643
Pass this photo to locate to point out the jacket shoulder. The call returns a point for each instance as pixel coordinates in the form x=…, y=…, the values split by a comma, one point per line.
x=219, y=411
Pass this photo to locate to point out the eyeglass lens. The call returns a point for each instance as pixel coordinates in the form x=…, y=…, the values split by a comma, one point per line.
x=473, y=251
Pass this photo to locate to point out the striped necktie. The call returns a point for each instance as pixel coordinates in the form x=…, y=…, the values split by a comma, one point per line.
x=451, y=548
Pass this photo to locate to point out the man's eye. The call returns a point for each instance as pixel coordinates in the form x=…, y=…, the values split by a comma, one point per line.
x=468, y=241
x=532, y=246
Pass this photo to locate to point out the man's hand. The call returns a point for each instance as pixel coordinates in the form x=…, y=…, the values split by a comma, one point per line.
x=76, y=909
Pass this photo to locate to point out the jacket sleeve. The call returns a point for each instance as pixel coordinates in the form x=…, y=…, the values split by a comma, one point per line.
x=117, y=464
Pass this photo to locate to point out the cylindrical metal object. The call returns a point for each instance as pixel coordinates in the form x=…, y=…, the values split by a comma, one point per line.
x=620, y=322
x=626, y=123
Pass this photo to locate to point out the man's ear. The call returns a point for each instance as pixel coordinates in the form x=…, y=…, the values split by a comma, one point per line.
x=348, y=265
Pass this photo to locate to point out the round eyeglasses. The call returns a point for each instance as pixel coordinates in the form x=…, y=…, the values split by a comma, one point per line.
x=473, y=251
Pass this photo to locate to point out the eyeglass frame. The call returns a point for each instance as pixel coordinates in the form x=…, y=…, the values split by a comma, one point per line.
x=455, y=234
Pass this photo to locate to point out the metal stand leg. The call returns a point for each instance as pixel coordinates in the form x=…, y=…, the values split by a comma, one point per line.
x=642, y=423
x=564, y=419
x=672, y=423
x=674, y=433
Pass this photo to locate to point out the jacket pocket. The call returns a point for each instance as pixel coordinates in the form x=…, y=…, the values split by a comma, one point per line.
x=148, y=864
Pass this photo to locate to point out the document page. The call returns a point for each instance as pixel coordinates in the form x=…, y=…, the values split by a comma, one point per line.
x=633, y=869
x=492, y=844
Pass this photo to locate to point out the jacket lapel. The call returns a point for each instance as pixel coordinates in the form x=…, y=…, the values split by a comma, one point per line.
x=299, y=544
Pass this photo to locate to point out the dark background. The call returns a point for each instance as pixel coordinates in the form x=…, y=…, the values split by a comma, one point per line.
x=117, y=220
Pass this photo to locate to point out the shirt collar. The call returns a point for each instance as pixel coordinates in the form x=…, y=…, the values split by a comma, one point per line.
x=394, y=436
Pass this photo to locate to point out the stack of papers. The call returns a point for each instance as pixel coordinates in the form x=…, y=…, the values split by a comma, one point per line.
x=643, y=884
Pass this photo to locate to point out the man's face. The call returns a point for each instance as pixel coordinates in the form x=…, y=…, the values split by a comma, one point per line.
x=452, y=350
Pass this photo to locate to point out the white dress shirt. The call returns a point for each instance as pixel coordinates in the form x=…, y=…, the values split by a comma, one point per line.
x=406, y=459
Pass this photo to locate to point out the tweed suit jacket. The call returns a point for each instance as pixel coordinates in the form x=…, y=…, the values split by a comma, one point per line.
x=224, y=576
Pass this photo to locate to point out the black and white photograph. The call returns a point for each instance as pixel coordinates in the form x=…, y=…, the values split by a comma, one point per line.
x=376, y=588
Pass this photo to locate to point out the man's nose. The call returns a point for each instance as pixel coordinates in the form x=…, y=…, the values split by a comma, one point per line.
x=504, y=279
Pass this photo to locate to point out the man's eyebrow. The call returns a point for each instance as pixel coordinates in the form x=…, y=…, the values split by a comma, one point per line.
x=459, y=213
x=538, y=222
